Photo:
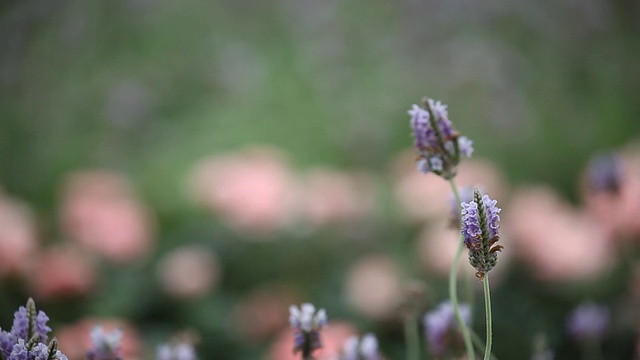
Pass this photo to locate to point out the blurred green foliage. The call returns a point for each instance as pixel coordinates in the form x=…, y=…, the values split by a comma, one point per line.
x=148, y=87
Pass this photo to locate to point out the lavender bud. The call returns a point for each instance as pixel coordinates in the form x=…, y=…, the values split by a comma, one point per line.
x=361, y=349
x=439, y=145
x=605, y=173
x=441, y=328
x=105, y=346
x=307, y=324
x=180, y=351
x=588, y=322
x=480, y=230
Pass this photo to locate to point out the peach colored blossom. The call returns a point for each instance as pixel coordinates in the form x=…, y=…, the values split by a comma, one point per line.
x=100, y=212
x=17, y=236
x=333, y=337
x=329, y=196
x=74, y=339
x=373, y=286
x=189, y=272
x=618, y=212
x=264, y=311
x=423, y=197
x=559, y=242
x=252, y=189
x=62, y=272
x=437, y=246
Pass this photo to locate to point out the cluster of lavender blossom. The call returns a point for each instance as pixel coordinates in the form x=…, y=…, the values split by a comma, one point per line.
x=28, y=339
x=439, y=150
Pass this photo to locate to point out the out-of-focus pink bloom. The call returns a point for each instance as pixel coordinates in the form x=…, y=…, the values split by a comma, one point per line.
x=189, y=272
x=437, y=246
x=17, y=236
x=252, y=190
x=62, y=272
x=263, y=312
x=100, y=212
x=423, y=197
x=333, y=337
x=374, y=287
x=330, y=196
x=617, y=211
x=557, y=241
x=75, y=339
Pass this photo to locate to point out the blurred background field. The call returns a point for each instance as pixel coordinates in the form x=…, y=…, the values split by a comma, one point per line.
x=190, y=169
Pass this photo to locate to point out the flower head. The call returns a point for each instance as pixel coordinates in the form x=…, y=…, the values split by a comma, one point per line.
x=605, y=173
x=365, y=348
x=106, y=345
x=307, y=324
x=441, y=327
x=439, y=145
x=28, y=336
x=180, y=351
x=588, y=322
x=480, y=230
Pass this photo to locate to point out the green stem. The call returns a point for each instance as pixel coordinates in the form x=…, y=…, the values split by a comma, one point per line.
x=487, y=309
x=412, y=338
x=453, y=289
x=479, y=344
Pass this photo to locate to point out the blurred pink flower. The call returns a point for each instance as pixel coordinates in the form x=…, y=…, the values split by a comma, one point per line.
x=62, y=272
x=17, y=236
x=264, y=311
x=74, y=339
x=189, y=272
x=437, y=246
x=558, y=242
x=373, y=286
x=330, y=196
x=423, y=197
x=100, y=212
x=332, y=336
x=617, y=212
x=253, y=190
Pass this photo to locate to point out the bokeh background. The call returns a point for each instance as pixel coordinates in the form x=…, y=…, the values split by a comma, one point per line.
x=190, y=169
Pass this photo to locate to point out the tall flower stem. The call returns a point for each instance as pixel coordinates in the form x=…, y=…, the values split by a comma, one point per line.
x=453, y=288
x=412, y=338
x=487, y=310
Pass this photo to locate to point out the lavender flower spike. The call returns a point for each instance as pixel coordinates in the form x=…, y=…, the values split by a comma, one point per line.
x=307, y=324
x=180, y=351
x=588, y=322
x=480, y=230
x=439, y=145
x=361, y=349
x=441, y=327
x=105, y=346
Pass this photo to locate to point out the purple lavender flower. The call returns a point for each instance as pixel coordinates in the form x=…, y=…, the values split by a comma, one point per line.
x=28, y=336
x=180, y=351
x=307, y=324
x=605, y=173
x=466, y=195
x=441, y=328
x=20, y=328
x=439, y=145
x=361, y=349
x=480, y=230
x=105, y=346
x=588, y=322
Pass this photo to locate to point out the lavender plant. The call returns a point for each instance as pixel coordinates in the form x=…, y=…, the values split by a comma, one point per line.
x=365, y=348
x=439, y=149
x=27, y=339
x=179, y=351
x=442, y=332
x=587, y=325
x=307, y=324
x=105, y=346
